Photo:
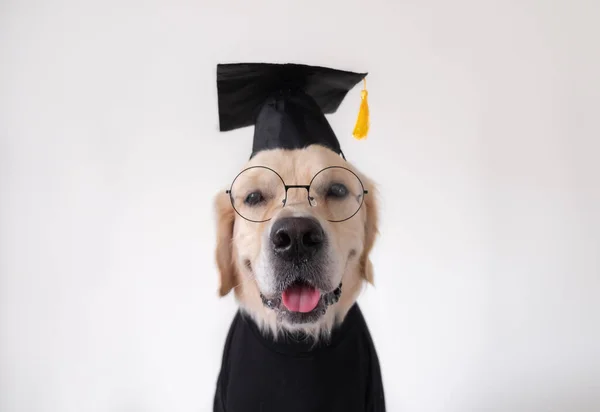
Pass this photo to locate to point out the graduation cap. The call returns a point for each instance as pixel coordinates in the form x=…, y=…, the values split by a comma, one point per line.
x=286, y=103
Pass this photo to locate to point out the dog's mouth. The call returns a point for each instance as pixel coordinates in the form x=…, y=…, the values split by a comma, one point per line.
x=301, y=302
x=300, y=297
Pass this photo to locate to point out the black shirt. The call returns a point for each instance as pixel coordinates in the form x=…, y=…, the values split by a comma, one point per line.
x=259, y=374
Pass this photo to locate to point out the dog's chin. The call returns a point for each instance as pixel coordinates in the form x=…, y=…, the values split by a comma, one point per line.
x=302, y=319
x=301, y=304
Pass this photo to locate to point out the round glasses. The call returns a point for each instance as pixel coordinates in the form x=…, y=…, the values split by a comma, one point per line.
x=258, y=193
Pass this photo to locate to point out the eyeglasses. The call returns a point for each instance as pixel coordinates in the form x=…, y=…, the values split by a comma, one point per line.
x=258, y=193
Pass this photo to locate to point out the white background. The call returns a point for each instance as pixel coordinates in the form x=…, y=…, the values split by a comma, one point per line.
x=484, y=140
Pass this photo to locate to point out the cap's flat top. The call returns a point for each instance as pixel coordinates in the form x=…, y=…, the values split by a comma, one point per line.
x=243, y=88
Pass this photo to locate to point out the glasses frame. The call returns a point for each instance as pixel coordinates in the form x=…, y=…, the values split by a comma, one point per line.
x=287, y=187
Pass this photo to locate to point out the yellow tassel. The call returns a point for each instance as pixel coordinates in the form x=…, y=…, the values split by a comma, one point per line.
x=362, y=122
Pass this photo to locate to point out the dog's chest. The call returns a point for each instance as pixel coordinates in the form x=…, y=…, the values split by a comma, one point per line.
x=261, y=380
x=258, y=375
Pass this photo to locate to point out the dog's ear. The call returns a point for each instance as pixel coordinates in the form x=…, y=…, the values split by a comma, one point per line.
x=371, y=230
x=224, y=251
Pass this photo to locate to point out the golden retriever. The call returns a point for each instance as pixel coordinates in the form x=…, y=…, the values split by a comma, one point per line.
x=247, y=251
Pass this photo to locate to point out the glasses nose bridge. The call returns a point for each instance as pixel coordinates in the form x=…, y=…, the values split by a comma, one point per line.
x=297, y=195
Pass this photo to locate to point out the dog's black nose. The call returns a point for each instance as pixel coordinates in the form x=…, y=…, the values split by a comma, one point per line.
x=297, y=237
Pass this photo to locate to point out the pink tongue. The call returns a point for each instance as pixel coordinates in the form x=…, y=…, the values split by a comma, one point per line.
x=301, y=298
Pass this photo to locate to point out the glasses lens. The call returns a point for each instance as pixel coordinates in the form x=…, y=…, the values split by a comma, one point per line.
x=257, y=193
x=337, y=193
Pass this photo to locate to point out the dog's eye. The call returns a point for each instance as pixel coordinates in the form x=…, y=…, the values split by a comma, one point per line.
x=254, y=199
x=337, y=190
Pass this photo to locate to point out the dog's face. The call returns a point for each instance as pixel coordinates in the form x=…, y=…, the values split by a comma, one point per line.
x=293, y=243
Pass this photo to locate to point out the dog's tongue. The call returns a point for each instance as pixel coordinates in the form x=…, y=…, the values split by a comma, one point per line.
x=301, y=298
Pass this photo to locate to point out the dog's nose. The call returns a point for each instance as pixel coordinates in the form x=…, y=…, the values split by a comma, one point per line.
x=297, y=237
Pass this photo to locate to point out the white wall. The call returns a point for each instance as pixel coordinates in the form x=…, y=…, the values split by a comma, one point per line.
x=485, y=126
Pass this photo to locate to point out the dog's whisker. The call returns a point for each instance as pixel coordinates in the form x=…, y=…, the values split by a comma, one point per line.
x=251, y=277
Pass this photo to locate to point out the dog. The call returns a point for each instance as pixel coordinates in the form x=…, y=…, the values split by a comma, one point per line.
x=296, y=277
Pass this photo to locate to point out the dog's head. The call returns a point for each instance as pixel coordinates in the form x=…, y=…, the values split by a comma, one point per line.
x=293, y=238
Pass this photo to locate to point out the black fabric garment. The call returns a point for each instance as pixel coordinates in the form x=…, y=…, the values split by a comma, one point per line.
x=259, y=374
x=287, y=103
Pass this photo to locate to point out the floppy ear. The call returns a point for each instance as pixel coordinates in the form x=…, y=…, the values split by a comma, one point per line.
x=371, y=231
x=224, y=251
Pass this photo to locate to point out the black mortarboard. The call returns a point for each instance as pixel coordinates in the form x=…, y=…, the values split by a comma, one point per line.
x=287, y=103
